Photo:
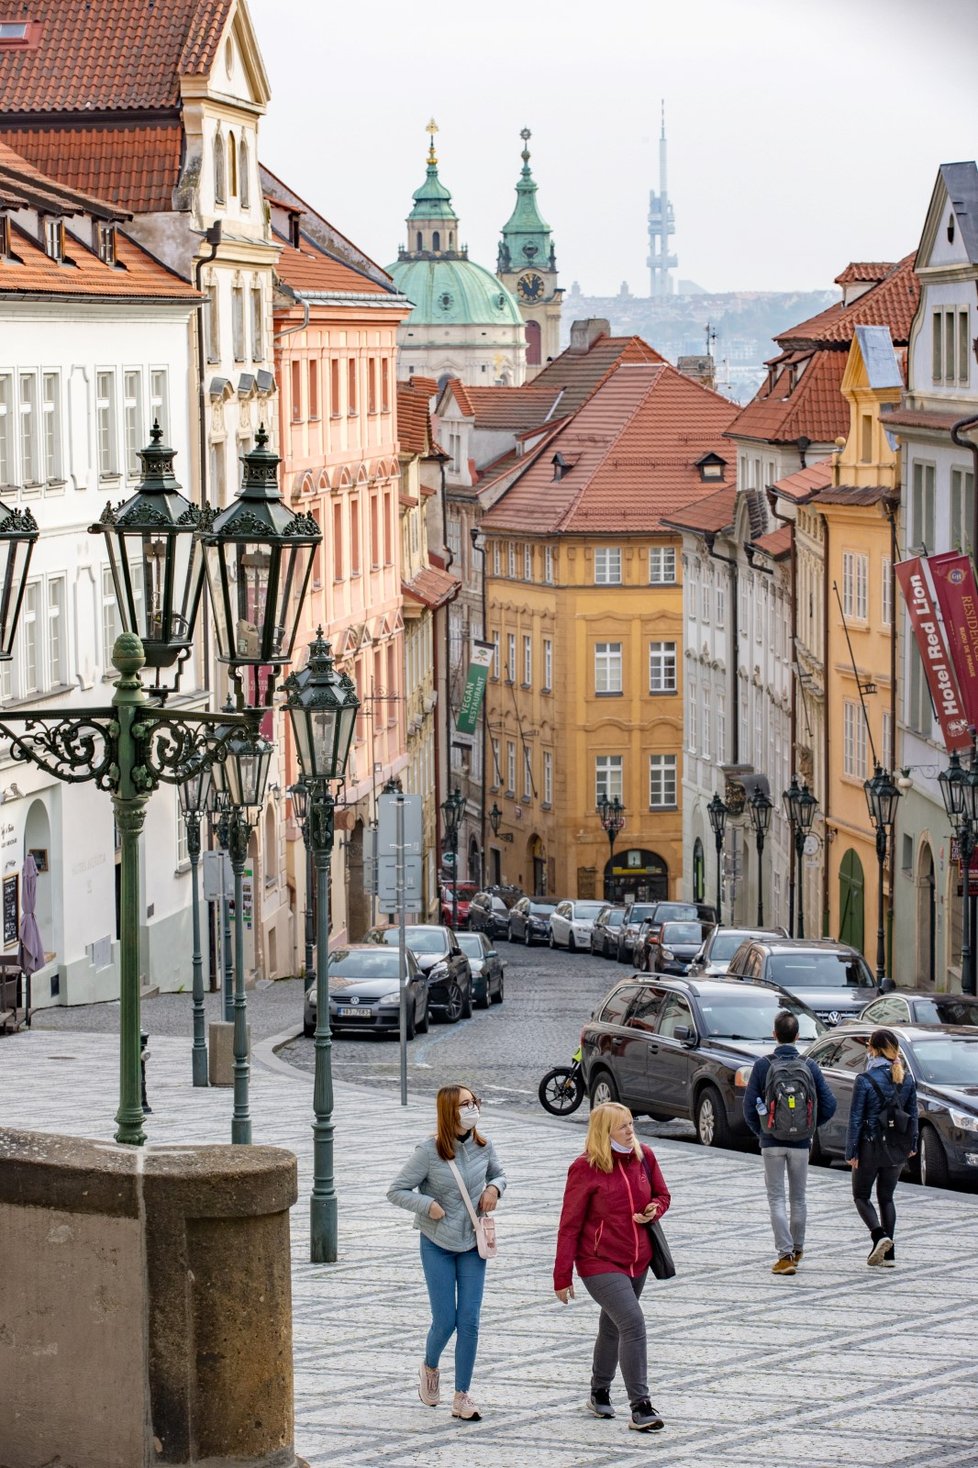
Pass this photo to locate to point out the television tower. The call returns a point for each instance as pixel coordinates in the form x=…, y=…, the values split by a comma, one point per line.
x=662, y=224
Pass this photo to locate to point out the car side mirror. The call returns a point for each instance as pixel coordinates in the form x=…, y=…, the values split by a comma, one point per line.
x=887, y=986
x=685, y=1034
x=492, y=953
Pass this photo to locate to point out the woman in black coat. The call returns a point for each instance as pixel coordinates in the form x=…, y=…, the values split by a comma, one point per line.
x=873, y=1159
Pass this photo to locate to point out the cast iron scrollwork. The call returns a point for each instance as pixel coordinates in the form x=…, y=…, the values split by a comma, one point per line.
x=172, y=751
x=76, y=749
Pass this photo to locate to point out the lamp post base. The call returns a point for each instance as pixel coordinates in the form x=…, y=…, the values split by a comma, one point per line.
x=322, y=1230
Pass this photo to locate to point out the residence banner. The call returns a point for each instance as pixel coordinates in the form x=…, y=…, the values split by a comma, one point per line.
x=957, y=597
x=475, y=688
x=938, y=668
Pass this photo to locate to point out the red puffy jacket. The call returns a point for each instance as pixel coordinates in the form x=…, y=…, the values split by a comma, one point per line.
x=597, y=1232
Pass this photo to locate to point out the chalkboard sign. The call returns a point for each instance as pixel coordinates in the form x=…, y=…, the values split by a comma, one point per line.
x=11, y=909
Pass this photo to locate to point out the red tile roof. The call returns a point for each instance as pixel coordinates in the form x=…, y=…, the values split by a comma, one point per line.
x=512, y=407
x=776, y=544
x=850, y=494
x=413, y=421
x=459, y=391
x=864, y=270
x=891, y=303
x=310, y=269
x=432, y=587
x=425, y=384
x=815, y=409
x=24, y=186
x=111, y=56
x=804, y=484
x=137, y=276
x=632, y=451
x=137, y=166
x=715, y=513
x=579, y=373
x=919, y=418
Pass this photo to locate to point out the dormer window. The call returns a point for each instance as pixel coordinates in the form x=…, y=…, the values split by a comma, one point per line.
x=54, y=238
x=294, y=239
x=712, y=468
x=5, y=250
x=561, y=466
x=105, y=243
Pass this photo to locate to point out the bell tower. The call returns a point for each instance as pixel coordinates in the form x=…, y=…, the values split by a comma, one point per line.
x=527, y=265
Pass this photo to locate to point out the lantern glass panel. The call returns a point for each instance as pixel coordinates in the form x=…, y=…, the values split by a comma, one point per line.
x=344, y=737
x=195, y=791
x=247, y=771
x=15, y=558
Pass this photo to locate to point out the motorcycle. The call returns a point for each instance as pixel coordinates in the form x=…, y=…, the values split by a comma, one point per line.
x=562, y=1089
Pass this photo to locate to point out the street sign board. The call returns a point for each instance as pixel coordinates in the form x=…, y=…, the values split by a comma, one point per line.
x=387, y=824
x=387, y=895
x=218, y=877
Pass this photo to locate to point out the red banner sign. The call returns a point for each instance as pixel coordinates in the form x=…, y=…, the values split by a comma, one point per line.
x=938, y=668
x=957, y=597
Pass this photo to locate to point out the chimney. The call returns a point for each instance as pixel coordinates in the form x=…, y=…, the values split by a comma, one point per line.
x=585, y=333
x=700, y=369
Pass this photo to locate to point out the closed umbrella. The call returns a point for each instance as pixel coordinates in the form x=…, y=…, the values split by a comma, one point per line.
x=31, y=947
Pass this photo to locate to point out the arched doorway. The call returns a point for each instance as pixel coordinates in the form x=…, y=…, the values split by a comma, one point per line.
x=538, y=867
x=357, y=903
x=851, y=887
x=926, y=913
x=475, y=862
x=37, y=839
x=699, y=871
x=636, y=876
x=533, y=344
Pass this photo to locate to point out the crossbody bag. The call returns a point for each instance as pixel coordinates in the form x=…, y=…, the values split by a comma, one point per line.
x=484, y=1224
x=663, y=1264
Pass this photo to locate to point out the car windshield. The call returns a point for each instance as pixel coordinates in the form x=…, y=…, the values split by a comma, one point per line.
x=725, y=945
x=613, y=918
x=423, y=940
x=681, y=933
x=471, y=945
x=948, y=1060
x=587, y=910
x=465, y=890
x=377, y=964
x=818, y=971
x=954, y=1010
x=665, y=911
x=640, y=911
x=750, y=1016
x=542, y=908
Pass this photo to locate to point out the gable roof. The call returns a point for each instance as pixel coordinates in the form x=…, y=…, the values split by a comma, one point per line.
x=776, y=543
x=311, y=271
x=805, y=484
x=864, y=270
x=518, y=408
x=788, y=407
x=413, y=420
x=631, y=452
x=960, y=182
x=578, y=373
x=711, y=515
x=892, y=302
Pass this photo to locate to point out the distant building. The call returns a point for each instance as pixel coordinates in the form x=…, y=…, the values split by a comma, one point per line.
x=662, y=226
x=527, y=266
x=465, y=323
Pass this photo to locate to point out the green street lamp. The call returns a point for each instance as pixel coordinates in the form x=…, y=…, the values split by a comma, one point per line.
x=219, y=825
x=718, y=811
x=194, y=793
x=612, y=816
x=299, y=793
x=495, y=818
x=322, y=704
x=451, y=809
x=760, y=807
x=959, y=790
x=881, y=798
x=800, y=806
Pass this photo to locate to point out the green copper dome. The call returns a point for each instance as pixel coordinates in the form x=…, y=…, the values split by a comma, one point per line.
x=526, y=234
x=453, y=291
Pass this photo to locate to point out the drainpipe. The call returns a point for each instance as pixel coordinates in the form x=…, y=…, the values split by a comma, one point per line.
x=709, y=541
x=795, y=870
x=826, y=725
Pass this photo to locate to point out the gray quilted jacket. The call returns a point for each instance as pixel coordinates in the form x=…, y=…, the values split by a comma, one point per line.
x=425, y=1179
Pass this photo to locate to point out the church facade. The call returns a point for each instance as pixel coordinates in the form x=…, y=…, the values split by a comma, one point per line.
x=527, y=266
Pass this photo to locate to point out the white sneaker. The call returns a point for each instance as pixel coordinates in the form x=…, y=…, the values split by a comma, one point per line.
x=429, y=1378
x=879, y=1249
x=464, y=1407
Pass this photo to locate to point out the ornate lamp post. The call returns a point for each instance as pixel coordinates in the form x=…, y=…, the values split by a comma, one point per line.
x=718, y=811
x=612, y=817
x=495, y=818
x=300, y=809
x=800, y=806
x=760, y=807
x=451, y=809
x=322, y=705
x=194, y=793
x=219, y=824
x=959, y=790
x=881, y=798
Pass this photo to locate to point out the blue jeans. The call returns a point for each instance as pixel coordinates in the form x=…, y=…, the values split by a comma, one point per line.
x=455, y=1283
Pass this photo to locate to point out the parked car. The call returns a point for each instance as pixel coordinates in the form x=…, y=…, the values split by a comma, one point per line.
x=489, y=914
x=921, y=1007
x=365, y=992
x=832, y=978
x=655, y=914
x=604, y=931
x=529, y=920
x=443, y=963
x=944, y=1062
x=721, y=944
x=571, y=923
x=487, y=969
x=674, y=949
x=685, y=1047
x=464, y=891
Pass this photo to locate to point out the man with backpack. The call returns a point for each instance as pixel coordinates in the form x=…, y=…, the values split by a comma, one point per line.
x=787, y=1098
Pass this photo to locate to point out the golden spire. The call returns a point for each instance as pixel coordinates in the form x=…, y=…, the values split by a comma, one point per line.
x=431, y=129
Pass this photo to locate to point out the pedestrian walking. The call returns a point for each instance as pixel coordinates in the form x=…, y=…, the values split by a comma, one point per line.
x=786, y=1100
x=883, y=1127
x=430, y=1186
x=614, y=1190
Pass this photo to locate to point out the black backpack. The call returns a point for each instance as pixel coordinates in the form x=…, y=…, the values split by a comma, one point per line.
x=892, y=1133
x=790, y=1100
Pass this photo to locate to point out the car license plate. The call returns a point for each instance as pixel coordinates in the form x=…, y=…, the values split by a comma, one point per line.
x=347, y=1012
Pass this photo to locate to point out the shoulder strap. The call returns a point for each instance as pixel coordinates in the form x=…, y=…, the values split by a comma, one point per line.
x=464, y=1191
x=648, y=1167
x=876, y=1085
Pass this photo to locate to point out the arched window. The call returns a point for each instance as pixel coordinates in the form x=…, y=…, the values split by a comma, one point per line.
x=219, y=184
x=244, y=182
x=436, y=240
x=533, y=344
x=271, y=846
x=232, y=166
x=851, y=887
x=699, y=871
x=451, y=239
x=420, y=245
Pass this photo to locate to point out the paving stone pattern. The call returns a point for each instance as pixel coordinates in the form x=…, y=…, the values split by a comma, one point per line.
x=840, y=1365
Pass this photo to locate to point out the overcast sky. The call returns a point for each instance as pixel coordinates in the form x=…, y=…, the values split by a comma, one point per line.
x=802, y=133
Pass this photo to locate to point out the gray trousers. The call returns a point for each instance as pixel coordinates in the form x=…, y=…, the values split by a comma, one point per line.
x=788, y=1238
x=621, y=1333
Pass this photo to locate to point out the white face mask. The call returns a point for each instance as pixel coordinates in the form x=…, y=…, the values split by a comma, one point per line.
x=468, y=1117
x=621, y=1146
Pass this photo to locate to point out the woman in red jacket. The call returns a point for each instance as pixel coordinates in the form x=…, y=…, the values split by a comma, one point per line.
x=613, y=1190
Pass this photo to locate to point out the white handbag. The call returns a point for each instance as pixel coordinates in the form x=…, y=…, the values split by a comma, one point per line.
x=484, y=1225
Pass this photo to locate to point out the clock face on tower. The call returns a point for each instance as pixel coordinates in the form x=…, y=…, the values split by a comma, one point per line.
x=530, y=286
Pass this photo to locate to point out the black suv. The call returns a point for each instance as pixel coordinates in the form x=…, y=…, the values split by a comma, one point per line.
x=442, y=962
x=831, y=978
x=489, y=914
x=652, y=915
x=685, y=1047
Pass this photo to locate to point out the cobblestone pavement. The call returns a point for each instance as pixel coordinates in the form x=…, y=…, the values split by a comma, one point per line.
x=272, y=1007
x=839, y=1367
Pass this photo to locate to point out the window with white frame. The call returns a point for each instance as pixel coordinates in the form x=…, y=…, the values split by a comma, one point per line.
x=527, y=773
x=7, y=452
x=548, y=564
x=887, y=726
x=51, y=413
x=511, y=656
x=607, y=667
x=30, y=458
x=527, y=563
x=30, y=651
x=497, y=769
x=212, y=329
x=159, y=401
x=962, y=509
x=607, y=565
x=183, y=852
x=496, y=558
x=257, y=325
x=527, y=661
x=662, y=781
x=721, y=731
x=105, y=424
x=922, y=493
x=692, y=717
x=132, y=418
x=510, y=766
x=548, y=664
x=495, y=654
x=706, y=746
x=111, y=620
x=608, y=783
x=855, y=585
x=57, y=633
x=238, y=322
x=662, y=667
x=886, y=592
x=721, y=601
x=706, y=598
x=511, y=560
x=919, y=715
x=853, y=740
x=548, y=777
x=662, y=565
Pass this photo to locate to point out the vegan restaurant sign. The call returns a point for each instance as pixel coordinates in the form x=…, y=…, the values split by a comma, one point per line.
x=475, y=688
x=939, y=669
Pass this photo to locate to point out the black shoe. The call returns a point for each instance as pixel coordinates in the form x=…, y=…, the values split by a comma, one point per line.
x=880, y=1246
x=645, y=1418
x=599, y=1403
x=888, y=1260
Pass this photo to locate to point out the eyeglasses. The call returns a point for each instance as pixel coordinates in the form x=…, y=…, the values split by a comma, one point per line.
x=472, y=1101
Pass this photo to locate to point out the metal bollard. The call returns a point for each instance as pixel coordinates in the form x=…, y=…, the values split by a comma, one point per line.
x=144, y=1055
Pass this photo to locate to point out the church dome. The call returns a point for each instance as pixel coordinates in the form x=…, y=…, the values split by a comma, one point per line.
x=453, y=291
